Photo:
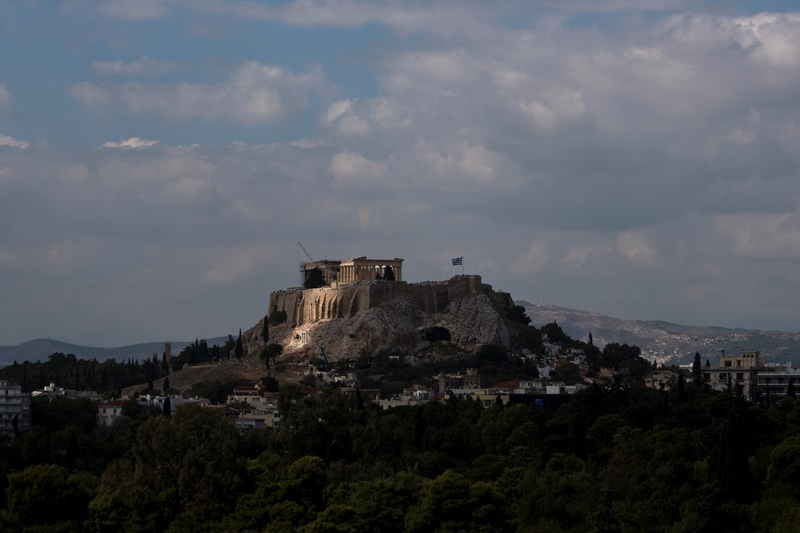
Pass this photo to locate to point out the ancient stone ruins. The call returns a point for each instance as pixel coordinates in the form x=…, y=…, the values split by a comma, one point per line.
x=356, y=314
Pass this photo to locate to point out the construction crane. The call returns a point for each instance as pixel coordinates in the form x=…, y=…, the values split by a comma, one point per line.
x=305, y=251
x=301, y=266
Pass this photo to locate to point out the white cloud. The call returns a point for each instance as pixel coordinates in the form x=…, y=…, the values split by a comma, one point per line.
x=368, y=218
x=145, y=66
x=6, y=102
x=235, y=265
x=134, y=9
x=5, y=140
x=306, y=143
x=349, y=167
x=533, y=261
x=763, y=236
x=133, y=143
x=742, y=136
x=634, y=246
x=254, y=93
x=607, y=151
x=336, y=110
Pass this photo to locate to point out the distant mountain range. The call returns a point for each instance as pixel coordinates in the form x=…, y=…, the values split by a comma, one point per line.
x=39, y=349
x=664, y=341
x=660, y=341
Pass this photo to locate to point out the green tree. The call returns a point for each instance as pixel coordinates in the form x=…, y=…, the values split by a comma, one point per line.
x=450, y=503
x=270, y=352
x=555, y=334
x=697, y=370
x=239, y=350
x=265, y=330
x=516, y=313
x=784, y=468
x=44, y=495
x=277, y=317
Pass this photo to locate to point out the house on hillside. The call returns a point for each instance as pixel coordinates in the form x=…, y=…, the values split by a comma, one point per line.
x=661, y=379
x=448, y=382
x=737, y=374
x=109, y=412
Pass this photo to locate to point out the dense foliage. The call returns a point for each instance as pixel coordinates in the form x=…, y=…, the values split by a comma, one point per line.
x=199, y=352
x=619, y=459
x=69, y=372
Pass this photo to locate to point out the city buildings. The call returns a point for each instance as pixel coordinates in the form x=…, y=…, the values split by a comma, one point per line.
x=15, y=409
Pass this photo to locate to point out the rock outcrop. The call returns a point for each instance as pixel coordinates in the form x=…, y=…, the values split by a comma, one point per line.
x=374, y=320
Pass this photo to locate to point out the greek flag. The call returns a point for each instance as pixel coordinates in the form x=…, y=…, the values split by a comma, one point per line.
x=458, y=261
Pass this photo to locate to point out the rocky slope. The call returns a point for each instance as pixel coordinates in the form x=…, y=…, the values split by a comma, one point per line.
x=667, y=342
x=396, y=327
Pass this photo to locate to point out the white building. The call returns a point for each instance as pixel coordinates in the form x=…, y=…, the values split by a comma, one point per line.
x=14, y=405
x=776, y=380
x=108, y=412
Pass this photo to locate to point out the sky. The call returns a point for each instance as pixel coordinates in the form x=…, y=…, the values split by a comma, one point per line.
x=161, y=159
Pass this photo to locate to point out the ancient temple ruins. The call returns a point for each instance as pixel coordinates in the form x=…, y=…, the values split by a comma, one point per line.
x=336, y=273
x=363, y=269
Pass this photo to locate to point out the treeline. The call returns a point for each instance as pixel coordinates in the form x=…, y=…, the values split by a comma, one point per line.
x=111, y=376
x=200, y=352
x=621, y=459
x=65, y=370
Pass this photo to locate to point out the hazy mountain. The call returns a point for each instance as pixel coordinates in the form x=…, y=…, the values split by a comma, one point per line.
x=664, y=341
x=659, y=340
x=39, y=349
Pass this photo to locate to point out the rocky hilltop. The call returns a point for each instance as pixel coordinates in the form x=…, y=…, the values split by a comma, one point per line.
x=664, y=341
x=375, y=319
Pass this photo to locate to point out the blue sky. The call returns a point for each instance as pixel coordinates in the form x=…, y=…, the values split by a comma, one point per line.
x=160, y=159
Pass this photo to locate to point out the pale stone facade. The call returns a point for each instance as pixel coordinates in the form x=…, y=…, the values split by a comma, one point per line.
x=355, y=270
x=344, y=300
x=737, y=372
x=363, y=269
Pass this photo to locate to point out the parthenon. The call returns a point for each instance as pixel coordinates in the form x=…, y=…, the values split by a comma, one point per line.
x=363, y=269
x=337, y=273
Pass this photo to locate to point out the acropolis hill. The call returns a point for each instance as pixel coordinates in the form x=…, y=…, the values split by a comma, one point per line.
x=356, y=314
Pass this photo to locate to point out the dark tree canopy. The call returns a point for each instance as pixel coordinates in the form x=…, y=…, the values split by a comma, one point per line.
x=277, y=317
x=555, y=334
x=239, y=349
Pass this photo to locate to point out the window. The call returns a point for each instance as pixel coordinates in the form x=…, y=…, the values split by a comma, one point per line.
x=740, y=376
x=727, y=363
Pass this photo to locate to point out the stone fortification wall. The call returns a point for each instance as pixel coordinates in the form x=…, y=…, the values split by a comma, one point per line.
x=312, y=305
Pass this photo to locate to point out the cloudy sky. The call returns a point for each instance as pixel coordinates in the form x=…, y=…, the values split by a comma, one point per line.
x=160, y=159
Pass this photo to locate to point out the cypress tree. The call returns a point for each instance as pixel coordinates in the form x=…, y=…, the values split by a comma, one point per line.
x=239, y=350
x=697, y=370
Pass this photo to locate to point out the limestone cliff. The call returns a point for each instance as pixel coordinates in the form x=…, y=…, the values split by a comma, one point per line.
x=375, y=319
